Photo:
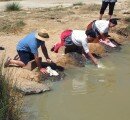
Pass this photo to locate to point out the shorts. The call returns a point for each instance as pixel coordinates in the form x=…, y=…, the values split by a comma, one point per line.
x=25, y=57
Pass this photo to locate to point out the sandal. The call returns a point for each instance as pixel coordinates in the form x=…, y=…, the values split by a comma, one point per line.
x=16, y=57
x=6, y=64
x=2, y=48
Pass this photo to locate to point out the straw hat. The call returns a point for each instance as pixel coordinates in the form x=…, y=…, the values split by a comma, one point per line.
x=42, y=35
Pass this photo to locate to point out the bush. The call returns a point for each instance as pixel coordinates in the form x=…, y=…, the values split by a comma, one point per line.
x=10, y=101
x=13, y=6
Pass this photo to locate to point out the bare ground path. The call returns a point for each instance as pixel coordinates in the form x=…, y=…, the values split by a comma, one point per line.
x=49, y=3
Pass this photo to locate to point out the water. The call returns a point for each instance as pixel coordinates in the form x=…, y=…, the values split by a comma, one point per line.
x=87, y=93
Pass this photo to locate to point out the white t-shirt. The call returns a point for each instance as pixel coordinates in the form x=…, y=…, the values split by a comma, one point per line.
x=79, y=38
x=102, y=25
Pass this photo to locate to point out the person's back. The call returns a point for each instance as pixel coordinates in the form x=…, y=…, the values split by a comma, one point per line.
x=102, y=26
x=78, y=37
x=29, y=43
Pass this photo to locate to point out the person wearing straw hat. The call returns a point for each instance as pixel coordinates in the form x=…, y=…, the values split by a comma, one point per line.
x=27, y=50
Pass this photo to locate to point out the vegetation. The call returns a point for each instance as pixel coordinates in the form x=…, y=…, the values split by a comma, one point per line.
x=4, y=0
x=94, y=7
x=128, y=28
x=127, y=19
x=13, y=6
x=10, y=101
x=78, y=4
x=11, y=27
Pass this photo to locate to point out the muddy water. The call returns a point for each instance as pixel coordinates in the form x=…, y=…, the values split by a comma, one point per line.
x=87, y=93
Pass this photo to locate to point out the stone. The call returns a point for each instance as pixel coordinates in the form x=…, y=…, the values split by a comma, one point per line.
x=71, y=59
x=29, y=82
x=32, y=64
x=125, y=12
x=32, y=87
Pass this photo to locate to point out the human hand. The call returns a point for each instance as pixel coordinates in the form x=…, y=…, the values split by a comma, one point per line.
x=107, y=42
x=43, y=70
x=49, y=60
x=100, y=66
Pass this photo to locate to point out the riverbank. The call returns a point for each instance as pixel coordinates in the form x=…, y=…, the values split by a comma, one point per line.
x=55, y=20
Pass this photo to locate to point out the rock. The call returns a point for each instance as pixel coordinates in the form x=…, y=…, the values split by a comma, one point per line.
x=30, y=87
x=72, y=59
x=112, y=49
x=125, y=12
x=123, y=31
x=96, y=48
x=24, y=80
x=53, y=78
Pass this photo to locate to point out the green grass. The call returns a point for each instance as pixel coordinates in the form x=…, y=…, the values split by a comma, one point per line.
x=13, y=6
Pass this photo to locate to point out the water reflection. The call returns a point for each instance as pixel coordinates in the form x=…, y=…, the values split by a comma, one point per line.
x=79, y=86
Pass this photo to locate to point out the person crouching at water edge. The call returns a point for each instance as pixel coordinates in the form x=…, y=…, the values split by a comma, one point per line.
x=101, y=27
x=77, y=41
x=27, y=49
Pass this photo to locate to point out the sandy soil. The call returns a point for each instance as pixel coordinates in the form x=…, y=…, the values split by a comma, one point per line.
x=55, y=20
x=50, y=3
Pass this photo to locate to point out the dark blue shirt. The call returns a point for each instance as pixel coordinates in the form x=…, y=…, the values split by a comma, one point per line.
x=30, y=44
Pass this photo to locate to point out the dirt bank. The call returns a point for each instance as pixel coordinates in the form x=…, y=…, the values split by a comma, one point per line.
x=15, y=25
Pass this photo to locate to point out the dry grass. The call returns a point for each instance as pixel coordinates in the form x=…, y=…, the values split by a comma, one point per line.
x=8, y=26
x=10, y=101
x=5, y=0
x=78, y=4
x=92, y=7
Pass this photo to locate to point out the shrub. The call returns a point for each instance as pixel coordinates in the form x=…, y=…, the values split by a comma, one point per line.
x=13, y=6
x=10, y=101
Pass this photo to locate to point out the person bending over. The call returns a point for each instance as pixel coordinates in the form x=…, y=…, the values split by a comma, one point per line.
x=27, y=50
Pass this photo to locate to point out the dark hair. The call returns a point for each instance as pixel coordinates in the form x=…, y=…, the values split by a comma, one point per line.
x=113, y=21
x=90, y=33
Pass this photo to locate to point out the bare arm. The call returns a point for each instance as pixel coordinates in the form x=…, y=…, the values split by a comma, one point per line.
x=44, y=51
x=37, y=61
x=103, y=36
x=93, y=59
